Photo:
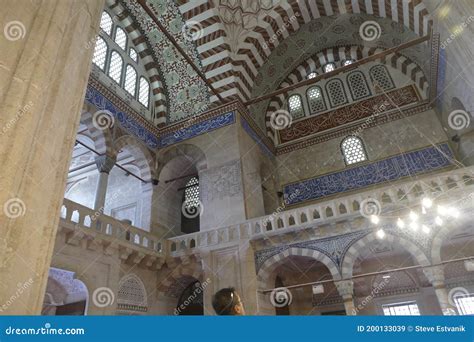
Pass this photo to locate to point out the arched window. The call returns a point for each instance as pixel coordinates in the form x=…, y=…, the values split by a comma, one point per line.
x=353, y=150
x=329, y=67
x=336, y=93
x=358, y=85
x=133, y=54
x=295, y=106
x=121, y=38
x=106, y=23
x=115, y=68
x=100, y=53
x=347, y=62
x=144, y=92
x=130, y=80
x=315, y=100
x=381, y=78
x=311, y=75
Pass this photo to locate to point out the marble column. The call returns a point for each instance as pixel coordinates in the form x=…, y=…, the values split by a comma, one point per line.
x=346, y=290
x=104, y=164
x=45, y=64
x=435, y=275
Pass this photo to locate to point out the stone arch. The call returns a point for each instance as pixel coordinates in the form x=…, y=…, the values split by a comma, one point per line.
x=357, y=247
x=191, y=152
x=272, y=263
x=441, y=236
x=63, y=288
x=144, y=159
x=102, y=138
x=131, y=295
x=261, y=41
x=192, y=270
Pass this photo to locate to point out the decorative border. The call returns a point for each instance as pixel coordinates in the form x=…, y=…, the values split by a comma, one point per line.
x=132, y=122
x=390, y=169
x=196, y=129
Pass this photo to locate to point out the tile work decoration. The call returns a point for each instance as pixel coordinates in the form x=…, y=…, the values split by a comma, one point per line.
x=197, y=129
x=94, y=97
x=390, y=169
x=334, y=247
x=255, y=137
x=357, y=111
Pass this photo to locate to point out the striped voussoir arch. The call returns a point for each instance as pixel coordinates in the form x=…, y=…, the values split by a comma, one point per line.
x=362, y=245
x=212, y=46
x=102, y=138
x=255, y=49
x=266, y=276
x=145, y=53
x=339, y=53
x=144, y=159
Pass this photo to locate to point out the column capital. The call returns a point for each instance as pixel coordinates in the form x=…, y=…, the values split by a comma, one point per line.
x=105, y=163
x=345, y=288
x=435, y=275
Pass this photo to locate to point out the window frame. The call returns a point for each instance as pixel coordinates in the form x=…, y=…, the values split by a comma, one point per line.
x=106, y=53
x=147, y=106
x=301, y=103
x=401, y=304
x=364, y=150
x=329, y=63
x=111, y=20
x=128, y=65
x=121, y=68
x=117, y=28
x=322, y=99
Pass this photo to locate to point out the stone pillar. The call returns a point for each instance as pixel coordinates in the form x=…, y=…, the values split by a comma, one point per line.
x=104, y=164
x=435, y=275
x=45, y=64
x=346, y=290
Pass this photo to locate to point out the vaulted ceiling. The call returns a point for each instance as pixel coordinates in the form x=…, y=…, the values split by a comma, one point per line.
x=248, y=47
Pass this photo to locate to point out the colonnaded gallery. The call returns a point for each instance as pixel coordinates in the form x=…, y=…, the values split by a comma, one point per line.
x=315, y=155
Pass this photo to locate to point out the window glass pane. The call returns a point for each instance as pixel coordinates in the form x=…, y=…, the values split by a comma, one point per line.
x=133, y=54
x=295, y=106
x=143, y=95
x=312, y=75
x=130, y=80
x=329, y=67
x=348, y=62
x=465, y=304
x=121, y=38
x=315, y=100
x=353, y=150
x=100, y=53
x=115, y=68
x=106, y=23
x=401, y=309
x=191, y=193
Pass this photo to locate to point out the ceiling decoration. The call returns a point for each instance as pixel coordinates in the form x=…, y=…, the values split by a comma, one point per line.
x=187, y=93
x=232, y=62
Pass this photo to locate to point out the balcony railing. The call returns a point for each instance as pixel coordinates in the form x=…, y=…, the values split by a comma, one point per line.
x=90, y=222
x=401, y=194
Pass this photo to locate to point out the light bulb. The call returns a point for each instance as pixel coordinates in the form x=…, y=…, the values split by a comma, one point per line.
x=374, y=219
x=414, y=226
x=438, y=221
x=427, y=202
x=400, y=223
x=413, y=216
x=380, y=234
x=425, y=229
x=442, y=210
